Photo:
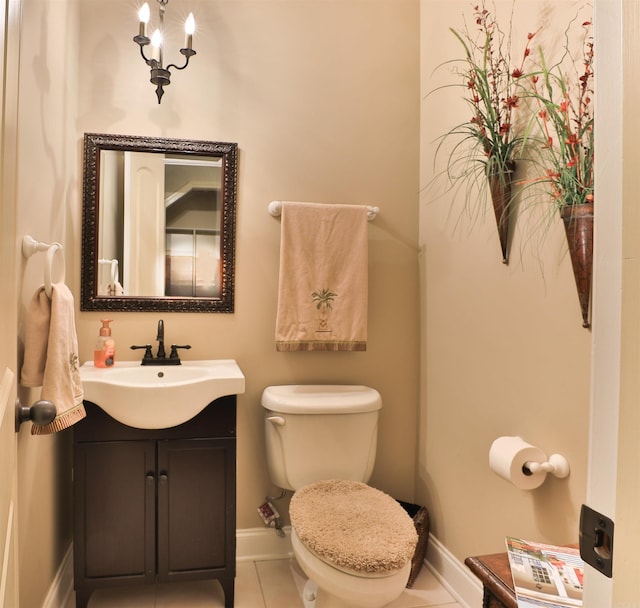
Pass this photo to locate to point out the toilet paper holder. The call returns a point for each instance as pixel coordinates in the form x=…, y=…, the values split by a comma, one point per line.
x=524, y=465
x=557, y=465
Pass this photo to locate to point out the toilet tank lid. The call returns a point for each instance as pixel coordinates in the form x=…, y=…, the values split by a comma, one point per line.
x=321, y=399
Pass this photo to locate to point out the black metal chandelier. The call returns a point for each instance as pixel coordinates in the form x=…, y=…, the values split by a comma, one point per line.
x=160, y=75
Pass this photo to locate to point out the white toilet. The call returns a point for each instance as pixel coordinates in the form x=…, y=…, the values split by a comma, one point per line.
x=354, y=542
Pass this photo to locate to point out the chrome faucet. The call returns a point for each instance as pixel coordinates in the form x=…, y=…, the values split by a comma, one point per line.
x=161, y=357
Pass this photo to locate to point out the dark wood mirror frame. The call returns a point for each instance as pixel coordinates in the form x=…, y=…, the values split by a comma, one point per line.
x=94, y=143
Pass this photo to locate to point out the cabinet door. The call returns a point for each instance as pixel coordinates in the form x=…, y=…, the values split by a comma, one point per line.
x=196, y=508
x=114, y=498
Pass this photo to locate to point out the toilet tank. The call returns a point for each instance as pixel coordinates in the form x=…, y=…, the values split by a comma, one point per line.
x=316, y=432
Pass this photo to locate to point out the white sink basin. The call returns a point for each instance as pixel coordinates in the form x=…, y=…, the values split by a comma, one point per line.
x=158, y=397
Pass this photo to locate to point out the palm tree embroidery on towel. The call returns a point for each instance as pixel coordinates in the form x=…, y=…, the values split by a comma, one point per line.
x=323, y=299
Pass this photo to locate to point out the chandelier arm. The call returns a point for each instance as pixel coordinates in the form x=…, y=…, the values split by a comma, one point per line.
x=186, y=63
x=144, y=57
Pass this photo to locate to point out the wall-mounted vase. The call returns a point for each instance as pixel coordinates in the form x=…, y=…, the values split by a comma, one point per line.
x=578, y=225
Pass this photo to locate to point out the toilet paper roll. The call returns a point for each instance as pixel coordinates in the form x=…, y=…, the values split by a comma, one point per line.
x=507, y=457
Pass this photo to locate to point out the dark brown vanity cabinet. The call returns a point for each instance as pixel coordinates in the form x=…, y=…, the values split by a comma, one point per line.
x=155, y=505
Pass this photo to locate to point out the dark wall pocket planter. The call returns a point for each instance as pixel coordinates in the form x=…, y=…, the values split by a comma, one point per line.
x=578, y=225
x=501, y=191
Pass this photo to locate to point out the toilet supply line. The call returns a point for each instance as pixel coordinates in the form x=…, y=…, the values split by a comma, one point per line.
x=270, y=515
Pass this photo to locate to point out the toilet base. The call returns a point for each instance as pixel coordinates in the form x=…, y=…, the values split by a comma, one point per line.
x=309, y=594
x=350, y=591
x=313, y=597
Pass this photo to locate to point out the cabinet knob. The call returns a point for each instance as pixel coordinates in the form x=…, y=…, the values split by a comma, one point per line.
x=150, y=479
x=163, y=479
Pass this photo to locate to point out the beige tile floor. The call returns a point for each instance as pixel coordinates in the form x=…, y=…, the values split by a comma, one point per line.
x=263, y=584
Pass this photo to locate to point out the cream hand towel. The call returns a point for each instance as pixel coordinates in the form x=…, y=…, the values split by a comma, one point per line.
x=115, y=289
x=60, y=377
x=323, y=287
x=36, y=335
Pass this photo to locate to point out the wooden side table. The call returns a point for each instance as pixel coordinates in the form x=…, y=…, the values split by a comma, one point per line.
x=495, y=574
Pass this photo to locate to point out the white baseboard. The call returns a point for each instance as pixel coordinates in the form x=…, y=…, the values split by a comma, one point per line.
x=256, y=544
x=453, y=575
x=59, y=595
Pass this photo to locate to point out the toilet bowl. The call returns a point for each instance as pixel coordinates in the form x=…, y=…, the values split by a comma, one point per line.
x=353, y=541
x=334, y=588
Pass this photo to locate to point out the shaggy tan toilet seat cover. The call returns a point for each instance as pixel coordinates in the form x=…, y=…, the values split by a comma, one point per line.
x=353, y=526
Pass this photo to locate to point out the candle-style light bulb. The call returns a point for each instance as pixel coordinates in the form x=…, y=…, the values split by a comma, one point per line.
x=143, y=16
x=189, y=28
x=156, y=43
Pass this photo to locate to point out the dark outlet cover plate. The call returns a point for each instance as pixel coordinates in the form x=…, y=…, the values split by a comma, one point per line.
x=596, y=540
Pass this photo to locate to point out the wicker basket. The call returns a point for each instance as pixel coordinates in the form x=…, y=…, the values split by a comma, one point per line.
x=420, y=518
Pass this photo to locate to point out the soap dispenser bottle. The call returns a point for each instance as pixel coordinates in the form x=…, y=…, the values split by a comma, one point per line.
x=104, y=354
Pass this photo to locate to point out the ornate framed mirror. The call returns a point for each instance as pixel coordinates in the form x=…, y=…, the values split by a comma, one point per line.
x=158, y=224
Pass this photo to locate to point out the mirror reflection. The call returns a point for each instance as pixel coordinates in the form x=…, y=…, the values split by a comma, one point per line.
x=180, y=198
x=158, y=224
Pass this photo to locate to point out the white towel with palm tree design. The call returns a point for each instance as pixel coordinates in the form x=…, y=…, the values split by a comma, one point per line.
x=323, y=286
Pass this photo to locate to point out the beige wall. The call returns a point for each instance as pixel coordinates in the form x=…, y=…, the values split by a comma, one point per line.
x=48, y=191
x=504, y=352
x=322, y=98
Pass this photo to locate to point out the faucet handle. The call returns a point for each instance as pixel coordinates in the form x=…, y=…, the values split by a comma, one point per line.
x=174, y=350
x=147, y=351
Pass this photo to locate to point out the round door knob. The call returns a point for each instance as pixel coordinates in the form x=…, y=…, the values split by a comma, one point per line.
x=42, y=412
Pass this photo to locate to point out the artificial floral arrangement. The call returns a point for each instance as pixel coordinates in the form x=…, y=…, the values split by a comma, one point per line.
x=488, y=143
x=563, y=99
x=506, y=103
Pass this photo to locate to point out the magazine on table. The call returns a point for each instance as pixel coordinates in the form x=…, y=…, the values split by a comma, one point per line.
x=545, y=576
